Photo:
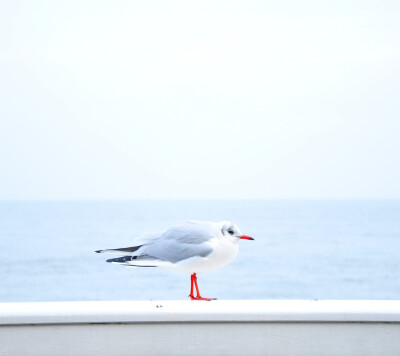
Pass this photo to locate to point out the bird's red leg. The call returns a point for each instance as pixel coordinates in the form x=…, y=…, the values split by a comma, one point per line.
x=198, y=297
x=191, y=296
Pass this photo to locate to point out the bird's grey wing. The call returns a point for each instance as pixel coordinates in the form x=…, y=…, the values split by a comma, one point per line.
x=191, y=232
x=176, y=251
x=190, y=239
x=180, y=242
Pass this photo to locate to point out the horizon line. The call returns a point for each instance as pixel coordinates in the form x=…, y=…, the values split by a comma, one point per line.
x=94, y=200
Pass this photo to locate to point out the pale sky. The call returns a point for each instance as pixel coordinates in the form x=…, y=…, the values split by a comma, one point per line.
x=199, y=99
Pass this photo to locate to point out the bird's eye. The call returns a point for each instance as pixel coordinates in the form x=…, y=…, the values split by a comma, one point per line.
x=230, y=232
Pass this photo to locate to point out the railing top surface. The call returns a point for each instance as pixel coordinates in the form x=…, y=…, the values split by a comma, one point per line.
x=200, y=311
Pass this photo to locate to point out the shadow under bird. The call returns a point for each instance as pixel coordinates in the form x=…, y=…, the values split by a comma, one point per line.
x=192, y=247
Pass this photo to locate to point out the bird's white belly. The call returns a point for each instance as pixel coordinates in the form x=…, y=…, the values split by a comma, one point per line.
x=224, y=253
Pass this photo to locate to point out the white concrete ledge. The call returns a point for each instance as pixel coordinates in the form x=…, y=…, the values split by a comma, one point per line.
x=252, y=327
x=201, y=311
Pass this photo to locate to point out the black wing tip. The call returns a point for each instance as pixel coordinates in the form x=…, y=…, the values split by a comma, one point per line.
x=122, y=259
x=98, y=251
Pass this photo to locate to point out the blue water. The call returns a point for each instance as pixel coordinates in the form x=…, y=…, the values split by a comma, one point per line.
x=321, y=249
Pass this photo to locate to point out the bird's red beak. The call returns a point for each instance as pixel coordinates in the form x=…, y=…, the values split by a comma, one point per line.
x=245, y=237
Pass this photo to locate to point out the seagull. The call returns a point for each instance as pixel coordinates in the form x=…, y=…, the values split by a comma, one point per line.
x=192, y=247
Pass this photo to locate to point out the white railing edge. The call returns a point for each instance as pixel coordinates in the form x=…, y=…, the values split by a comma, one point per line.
x=200, y=311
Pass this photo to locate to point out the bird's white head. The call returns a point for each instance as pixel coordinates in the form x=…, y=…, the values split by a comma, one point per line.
x=230, y=230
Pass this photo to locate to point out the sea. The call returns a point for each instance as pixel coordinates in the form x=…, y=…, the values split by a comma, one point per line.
x=302, y=249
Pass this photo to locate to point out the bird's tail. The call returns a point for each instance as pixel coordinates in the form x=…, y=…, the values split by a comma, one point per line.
x=131, y=257
x=121, y=251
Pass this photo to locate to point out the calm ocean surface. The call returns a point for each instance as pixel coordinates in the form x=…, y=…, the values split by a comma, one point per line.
x=316, y=249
